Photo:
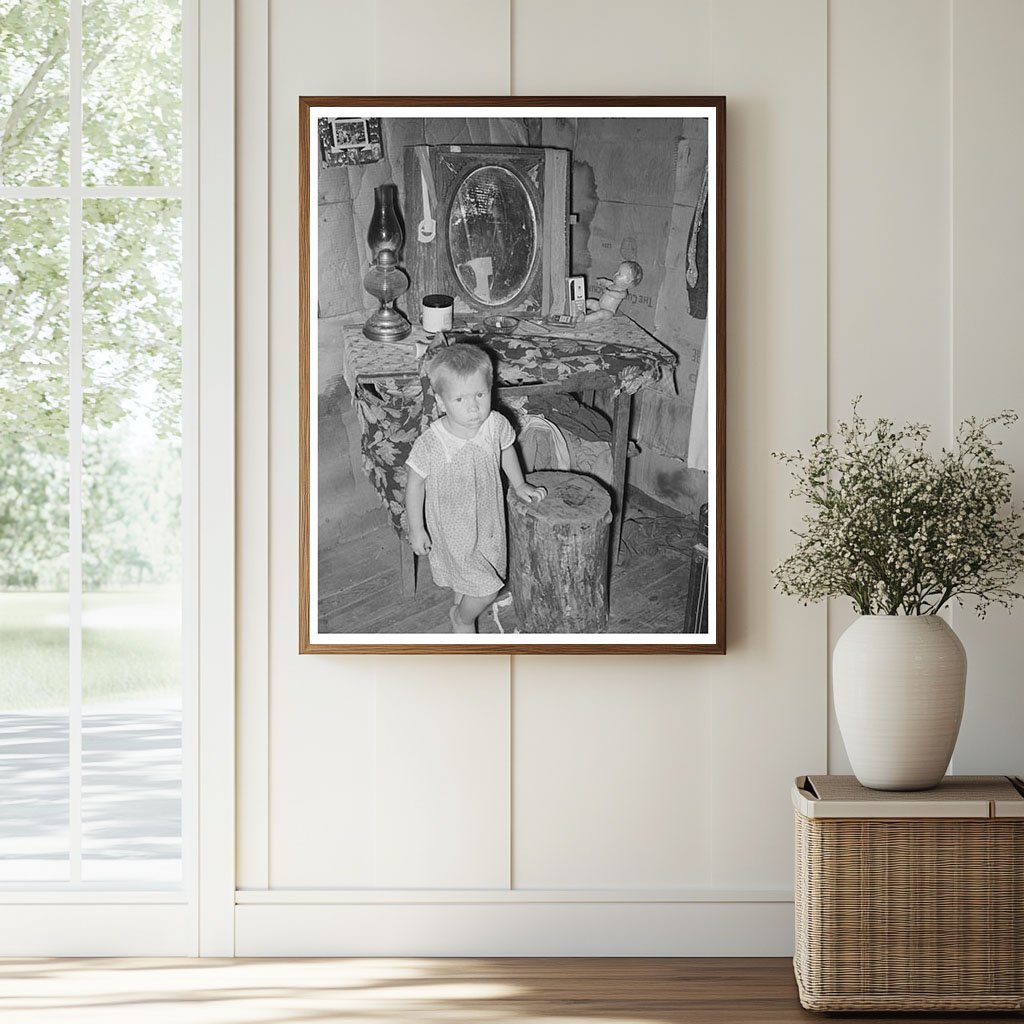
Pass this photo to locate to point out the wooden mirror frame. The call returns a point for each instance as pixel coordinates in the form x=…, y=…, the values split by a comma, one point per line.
x=448, y=166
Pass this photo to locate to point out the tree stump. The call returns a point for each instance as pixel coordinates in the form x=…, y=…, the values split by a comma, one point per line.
x=558, y=557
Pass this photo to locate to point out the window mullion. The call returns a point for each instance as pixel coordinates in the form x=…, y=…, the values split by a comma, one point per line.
x=75, y=336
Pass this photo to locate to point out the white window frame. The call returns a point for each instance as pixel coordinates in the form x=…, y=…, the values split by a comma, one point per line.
x=49, y=919
x=216, y=392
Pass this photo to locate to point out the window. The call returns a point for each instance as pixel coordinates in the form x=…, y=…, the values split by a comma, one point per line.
x=95, y=457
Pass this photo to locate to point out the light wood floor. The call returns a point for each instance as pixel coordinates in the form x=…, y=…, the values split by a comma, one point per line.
x=413, y=991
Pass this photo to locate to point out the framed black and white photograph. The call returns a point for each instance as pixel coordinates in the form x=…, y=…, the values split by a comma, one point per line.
x=512, y=375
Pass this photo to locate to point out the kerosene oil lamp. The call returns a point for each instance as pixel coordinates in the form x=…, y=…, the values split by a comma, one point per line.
x=386, y=281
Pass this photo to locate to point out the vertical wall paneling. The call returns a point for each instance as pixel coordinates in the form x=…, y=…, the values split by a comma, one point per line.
x=606, y=48
x=323, y=761
x=320, y=708
x=253, y=461
x=611, y=756
x=987, y=365
x=342, y=735
x=843, y=265
x=889, y=220
x=326, y=722
x=612, y=784
x=442, y=776
x=442, y=48
x=441, y=771
x=889, y=247
x=769, y=692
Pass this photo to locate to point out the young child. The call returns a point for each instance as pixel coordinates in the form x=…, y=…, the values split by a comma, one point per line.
x=454, y=467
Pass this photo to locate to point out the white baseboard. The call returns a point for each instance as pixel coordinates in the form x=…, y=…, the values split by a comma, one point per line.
x=513, y=928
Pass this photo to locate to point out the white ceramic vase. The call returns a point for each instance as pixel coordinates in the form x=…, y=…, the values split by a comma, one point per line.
x=898, y=684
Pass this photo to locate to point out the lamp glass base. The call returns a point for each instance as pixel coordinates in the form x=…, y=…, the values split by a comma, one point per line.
x=387, y=325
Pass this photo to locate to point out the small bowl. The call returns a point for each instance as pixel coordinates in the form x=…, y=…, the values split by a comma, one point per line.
x=501, y=324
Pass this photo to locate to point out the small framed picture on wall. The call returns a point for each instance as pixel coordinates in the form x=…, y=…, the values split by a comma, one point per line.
x=512, y=375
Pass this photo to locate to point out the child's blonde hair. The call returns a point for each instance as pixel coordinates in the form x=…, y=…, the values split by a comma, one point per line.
x=458, y=362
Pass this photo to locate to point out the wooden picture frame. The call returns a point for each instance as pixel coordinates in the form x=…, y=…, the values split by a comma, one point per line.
x=507, y=203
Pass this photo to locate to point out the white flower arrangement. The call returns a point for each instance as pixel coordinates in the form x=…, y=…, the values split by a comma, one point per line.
x=899, y=530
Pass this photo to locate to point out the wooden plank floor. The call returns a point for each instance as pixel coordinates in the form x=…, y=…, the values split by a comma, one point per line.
x=363, y=593
x=415, y=991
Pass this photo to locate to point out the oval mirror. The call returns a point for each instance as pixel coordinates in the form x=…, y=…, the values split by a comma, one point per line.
x=492, y=235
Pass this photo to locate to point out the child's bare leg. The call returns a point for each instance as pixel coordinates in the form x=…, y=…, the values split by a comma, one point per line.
x=466, y=612
x=458, y=626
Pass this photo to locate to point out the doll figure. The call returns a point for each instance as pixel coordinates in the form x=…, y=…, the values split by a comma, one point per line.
x=627, y=276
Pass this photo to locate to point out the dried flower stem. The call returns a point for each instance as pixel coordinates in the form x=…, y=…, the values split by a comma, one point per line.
x=897, y=529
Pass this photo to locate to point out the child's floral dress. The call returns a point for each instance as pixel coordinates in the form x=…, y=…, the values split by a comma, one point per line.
x=465, y=504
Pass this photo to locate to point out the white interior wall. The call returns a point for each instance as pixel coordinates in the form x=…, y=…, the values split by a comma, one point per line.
x=539, y=804
x=986, y=361
x=889, y=217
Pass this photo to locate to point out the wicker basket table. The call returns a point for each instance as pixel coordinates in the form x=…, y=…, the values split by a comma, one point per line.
x=910, y=901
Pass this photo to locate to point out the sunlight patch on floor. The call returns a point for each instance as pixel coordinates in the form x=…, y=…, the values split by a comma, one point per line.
x=220, y=991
